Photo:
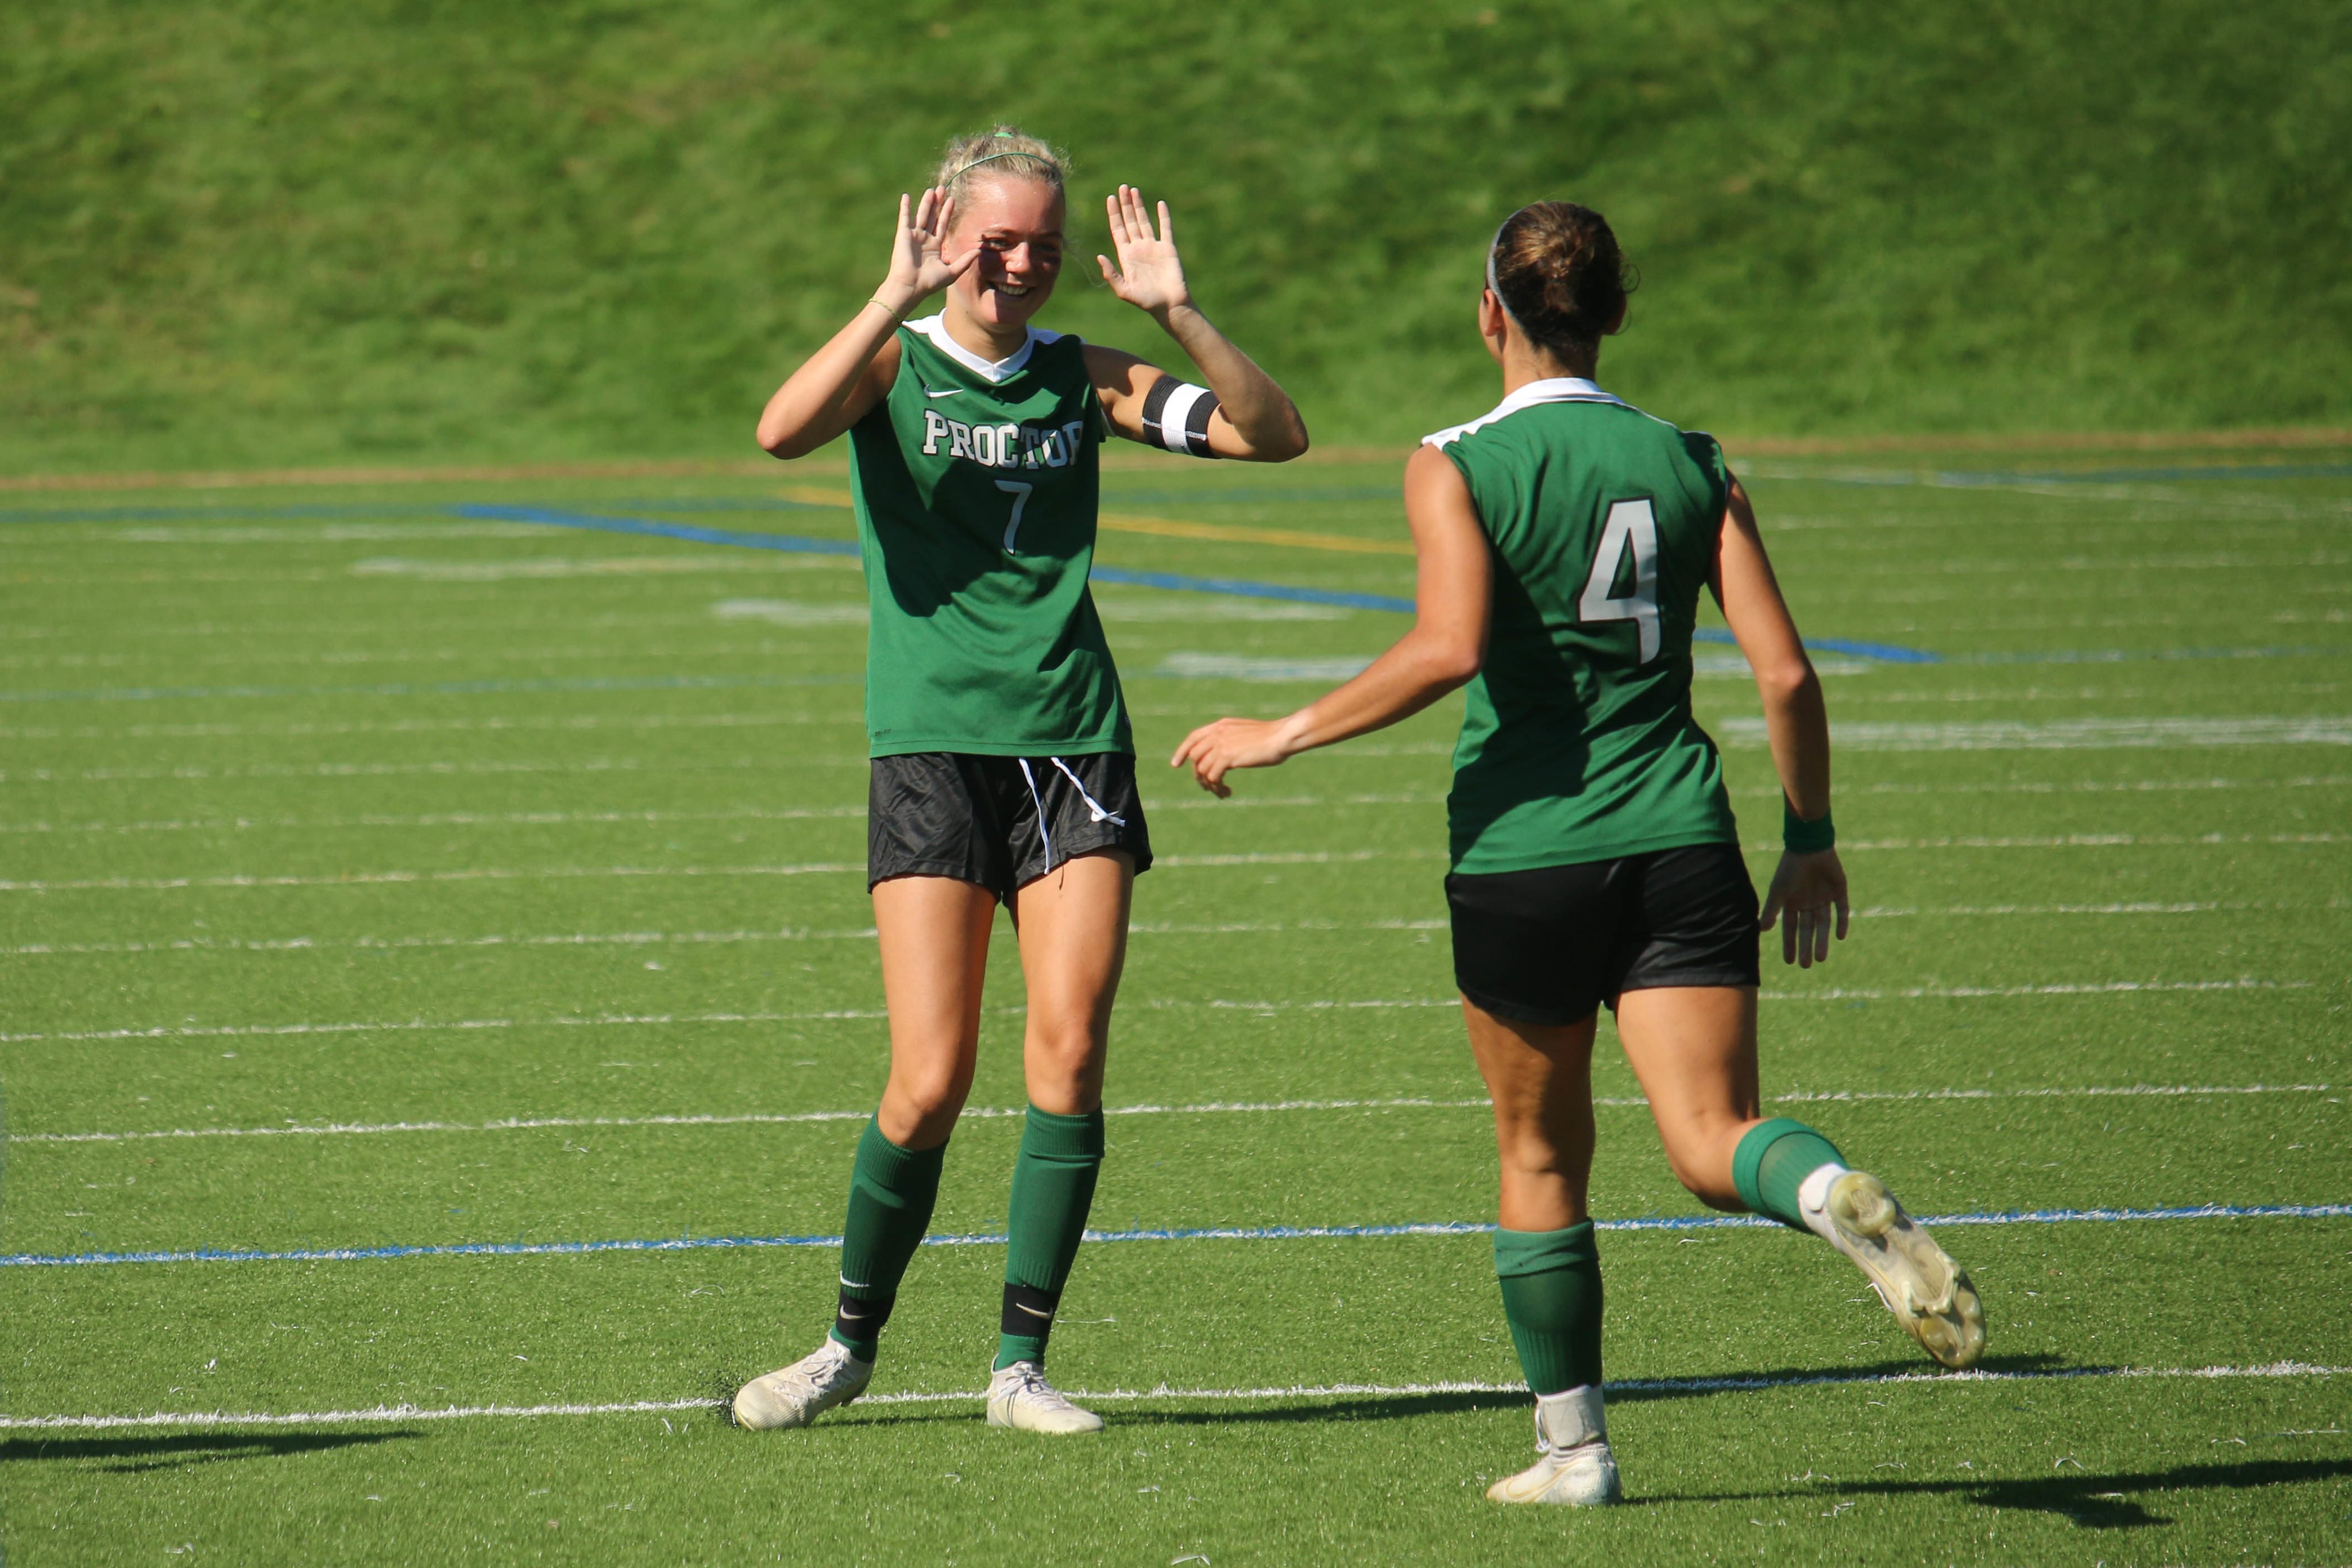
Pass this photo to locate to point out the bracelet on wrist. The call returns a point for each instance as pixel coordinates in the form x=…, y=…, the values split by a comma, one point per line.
x=1799, y=836
x=892, y=314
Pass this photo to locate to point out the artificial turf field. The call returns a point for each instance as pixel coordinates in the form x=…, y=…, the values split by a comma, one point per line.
x=384, y=878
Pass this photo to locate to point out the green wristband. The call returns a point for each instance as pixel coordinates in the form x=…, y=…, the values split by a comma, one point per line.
x=1799, y=836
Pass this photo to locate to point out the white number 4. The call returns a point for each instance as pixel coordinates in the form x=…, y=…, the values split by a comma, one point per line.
x=1020, y=494
x=1629, y=522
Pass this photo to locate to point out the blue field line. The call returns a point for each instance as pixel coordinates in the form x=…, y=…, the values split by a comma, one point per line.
x=793, y=544
x=435, y=688
x=1174, y=581
x=1960, y=478
x=1199, y=1233
x=2157, y=475
x=1241, y=588
x=2157, y=654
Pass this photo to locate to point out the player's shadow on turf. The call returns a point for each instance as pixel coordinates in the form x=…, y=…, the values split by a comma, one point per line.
x=1710, y=1385
x=2091, y=1500
x=181, y=1450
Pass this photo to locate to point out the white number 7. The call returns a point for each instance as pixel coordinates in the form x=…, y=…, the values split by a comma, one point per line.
x=1020, y=494
x=1629, y=522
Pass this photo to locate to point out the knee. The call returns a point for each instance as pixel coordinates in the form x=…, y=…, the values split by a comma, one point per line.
x=1064, y=1046
x=1064, y=1067
x=927, y=1102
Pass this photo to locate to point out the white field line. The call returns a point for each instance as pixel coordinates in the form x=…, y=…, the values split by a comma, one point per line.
x=568, y=818
x=1261, y=857
x=1178, y=802
x=1832, y=993
x=1140, y=928
x=1334, y=1004
x=482, y=874
x=346, y=659
x=446, y=819
x=1210, y=1108
x=2064, y=734
x=2070, y=841
x=374, y=943
x=2086, y=786
x=408, y=1025
x=399, y=1414
x=563, y=873
x=494, y=723
x=408, y=769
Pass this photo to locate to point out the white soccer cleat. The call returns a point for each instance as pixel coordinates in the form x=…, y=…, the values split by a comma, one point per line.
x=1928, y=1293
x=799, y=1394
x=1020, y=1397
x=1576, y=1468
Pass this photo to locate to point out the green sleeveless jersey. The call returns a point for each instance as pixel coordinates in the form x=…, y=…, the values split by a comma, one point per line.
x=1578, y=743
x=976, y=488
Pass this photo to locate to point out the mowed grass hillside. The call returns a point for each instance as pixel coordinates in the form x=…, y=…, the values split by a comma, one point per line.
x=244, y=234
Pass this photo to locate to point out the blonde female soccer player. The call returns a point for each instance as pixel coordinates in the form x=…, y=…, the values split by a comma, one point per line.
x=1563, y=538
x=1002, y=766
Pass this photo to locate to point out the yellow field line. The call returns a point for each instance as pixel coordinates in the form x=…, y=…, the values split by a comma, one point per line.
x=1292, y=538
x=1170, y=528
x=810, y=495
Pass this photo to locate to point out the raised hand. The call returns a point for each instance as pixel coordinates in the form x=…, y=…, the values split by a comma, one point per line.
x=920, y=265
x=1805, y=888
x=1149, y=274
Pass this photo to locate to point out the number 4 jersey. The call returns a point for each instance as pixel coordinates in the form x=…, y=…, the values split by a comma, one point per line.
x=1578, y=743
x=977, y=487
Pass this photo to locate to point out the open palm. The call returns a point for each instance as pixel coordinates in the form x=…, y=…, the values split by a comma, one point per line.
x=1149, y=274
x=920, y=265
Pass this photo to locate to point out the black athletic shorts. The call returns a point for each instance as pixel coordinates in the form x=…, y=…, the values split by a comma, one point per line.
x=1549, y=946
x=1002, y=822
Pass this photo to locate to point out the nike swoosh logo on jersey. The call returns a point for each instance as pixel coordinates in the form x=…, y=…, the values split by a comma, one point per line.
x=950, y=392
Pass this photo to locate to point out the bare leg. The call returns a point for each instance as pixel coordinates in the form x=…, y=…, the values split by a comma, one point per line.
x=1540, y=1078
x=934, y=938
x=1694, y=1048
x=1072, y=926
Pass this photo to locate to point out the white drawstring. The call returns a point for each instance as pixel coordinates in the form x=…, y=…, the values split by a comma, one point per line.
x=1039, y=802
x=1092, y=805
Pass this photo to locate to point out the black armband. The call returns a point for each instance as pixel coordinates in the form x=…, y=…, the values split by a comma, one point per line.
x=1176, y=415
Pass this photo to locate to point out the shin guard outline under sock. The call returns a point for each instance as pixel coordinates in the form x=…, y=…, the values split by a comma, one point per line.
x=892, y=1191
x=1552, y=1299
x=1052, y=1189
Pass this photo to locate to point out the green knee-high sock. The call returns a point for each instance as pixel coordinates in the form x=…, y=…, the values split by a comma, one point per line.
x=1052, y=1188
x=1551, y=1298
x=1772, y=1161
x=891, y=1191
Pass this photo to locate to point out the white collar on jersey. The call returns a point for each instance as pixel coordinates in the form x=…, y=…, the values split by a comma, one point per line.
x=990, y=370
x=1553, y=389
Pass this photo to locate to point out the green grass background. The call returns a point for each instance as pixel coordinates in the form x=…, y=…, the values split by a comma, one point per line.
x=259, y=234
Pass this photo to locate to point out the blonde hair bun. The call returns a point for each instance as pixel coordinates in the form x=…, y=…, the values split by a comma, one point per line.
x=1005, y=150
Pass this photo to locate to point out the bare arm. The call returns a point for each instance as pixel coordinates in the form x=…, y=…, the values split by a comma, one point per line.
x=1797, y=723
x=1255, y=421
x=1454, y=592
x=837, y=385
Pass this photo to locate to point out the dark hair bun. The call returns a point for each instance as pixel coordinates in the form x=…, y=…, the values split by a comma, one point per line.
x=1560, y=275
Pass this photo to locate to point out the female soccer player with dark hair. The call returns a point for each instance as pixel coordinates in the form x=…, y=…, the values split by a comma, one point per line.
x=1002, y=766
x=1563, y=539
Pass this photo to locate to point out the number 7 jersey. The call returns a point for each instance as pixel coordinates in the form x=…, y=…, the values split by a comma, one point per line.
x=977, y=485
x=1578, y=743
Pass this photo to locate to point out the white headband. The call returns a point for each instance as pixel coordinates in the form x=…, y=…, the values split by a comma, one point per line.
x=1497, y=289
